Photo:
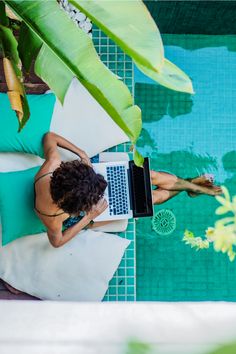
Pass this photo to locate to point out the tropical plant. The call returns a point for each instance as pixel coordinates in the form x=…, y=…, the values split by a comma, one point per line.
x=225, y=349
x=137, y=347
x=12, y=69
x=223, y=234
x=62, y=51
x=196, y=242
x=145, y=348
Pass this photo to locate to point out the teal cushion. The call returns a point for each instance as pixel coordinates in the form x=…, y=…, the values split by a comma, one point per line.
x=30, y=138
x=18, y=217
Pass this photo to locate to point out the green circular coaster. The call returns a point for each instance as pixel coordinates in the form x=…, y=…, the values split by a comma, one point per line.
x=164, y=222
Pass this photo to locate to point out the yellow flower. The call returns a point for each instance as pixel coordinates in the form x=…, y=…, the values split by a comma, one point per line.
x=224, y=238
x=210, y=234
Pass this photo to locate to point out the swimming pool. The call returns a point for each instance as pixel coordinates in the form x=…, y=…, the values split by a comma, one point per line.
x=189, y=135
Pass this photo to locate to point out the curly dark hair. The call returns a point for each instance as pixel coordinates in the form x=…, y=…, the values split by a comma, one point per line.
x=76, y=187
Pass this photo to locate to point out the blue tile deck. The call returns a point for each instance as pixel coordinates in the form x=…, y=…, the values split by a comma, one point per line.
x=122, y=287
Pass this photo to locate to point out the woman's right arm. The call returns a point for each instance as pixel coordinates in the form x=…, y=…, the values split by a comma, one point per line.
x=52, y=141
x=58, y=238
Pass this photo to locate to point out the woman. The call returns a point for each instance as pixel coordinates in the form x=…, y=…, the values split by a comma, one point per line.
x=64, y=190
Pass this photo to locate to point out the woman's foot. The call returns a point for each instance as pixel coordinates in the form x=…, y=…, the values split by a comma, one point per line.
x=206, y=180
x=213, y=191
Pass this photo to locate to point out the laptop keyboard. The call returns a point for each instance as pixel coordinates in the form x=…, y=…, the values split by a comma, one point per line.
x=117, y=190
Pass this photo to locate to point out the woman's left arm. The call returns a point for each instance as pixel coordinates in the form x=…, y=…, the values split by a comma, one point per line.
x=65, y=144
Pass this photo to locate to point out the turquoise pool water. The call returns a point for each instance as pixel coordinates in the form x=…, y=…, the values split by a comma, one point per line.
x=189, y=135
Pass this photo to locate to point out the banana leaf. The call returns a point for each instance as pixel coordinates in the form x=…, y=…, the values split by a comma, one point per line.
x=169, y=76
x=3, y=18
x=67, y=52
x=13, y=76
x=130, y=25
x=29, y=46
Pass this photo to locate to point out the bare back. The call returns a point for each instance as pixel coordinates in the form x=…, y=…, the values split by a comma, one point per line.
x=46, y=209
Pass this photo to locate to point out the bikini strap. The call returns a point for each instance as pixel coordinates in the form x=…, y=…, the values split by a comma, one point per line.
x=49, y=215
x=38, y=211
x=45, y=174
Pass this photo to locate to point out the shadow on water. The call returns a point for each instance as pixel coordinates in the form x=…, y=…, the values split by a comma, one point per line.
x=183, y=163
x=145, y=139
x=229, y=163
x=157, y=101
x=199, y=41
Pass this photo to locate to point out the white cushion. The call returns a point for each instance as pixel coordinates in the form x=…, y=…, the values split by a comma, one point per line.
x=84, y=122
x=81, y=269
x=16, y=161
x=20, y=161
x=78, y=271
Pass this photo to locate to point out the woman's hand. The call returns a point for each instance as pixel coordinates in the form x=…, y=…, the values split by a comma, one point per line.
x=97, y=209
x=84, y=158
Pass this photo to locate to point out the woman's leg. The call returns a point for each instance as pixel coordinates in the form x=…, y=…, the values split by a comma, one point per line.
x=160, y=196
x=206, y=180
x=171, y=182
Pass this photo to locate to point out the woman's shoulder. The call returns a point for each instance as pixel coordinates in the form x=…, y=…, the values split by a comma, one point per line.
x=47, y=168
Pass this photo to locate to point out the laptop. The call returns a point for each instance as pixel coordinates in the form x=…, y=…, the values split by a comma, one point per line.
x=129, y=191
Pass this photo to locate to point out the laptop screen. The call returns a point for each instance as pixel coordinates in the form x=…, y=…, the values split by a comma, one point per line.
x=141, y=190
